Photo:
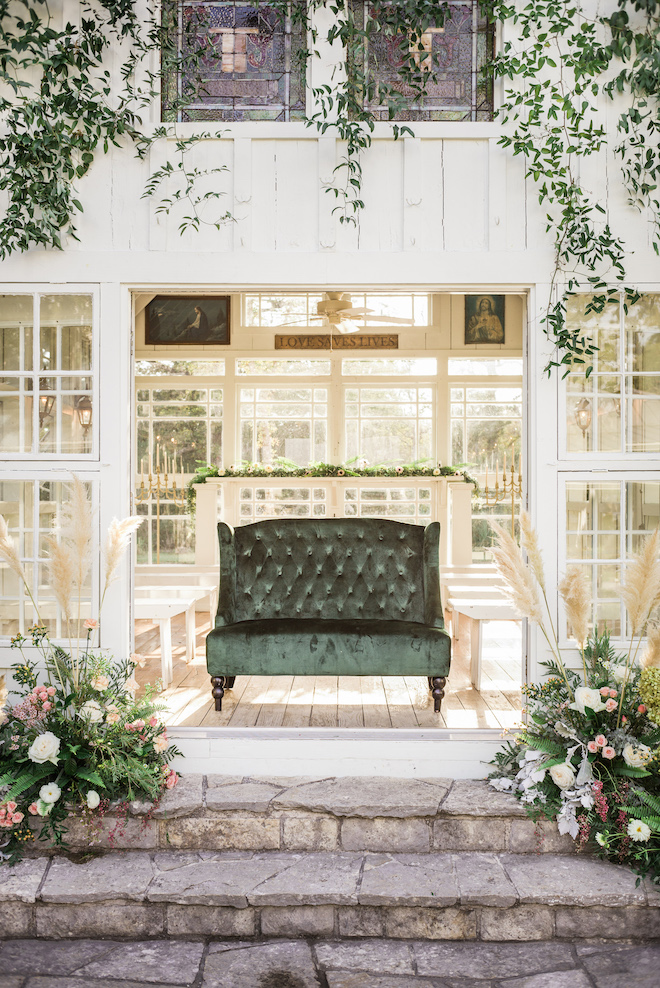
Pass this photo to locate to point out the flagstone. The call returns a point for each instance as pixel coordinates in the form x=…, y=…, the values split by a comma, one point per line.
x=186, y=798
x=474, y=797
x=218, y=882
x=21, y=883
x=121, y=875
x=174, y=960
x=286, y=964
x=496, y=960
x=48, y=957
x=482, y=881
x=369, y=797
x=559, y=879
x=416, y=879
x=553, y=979
x=311, y=879
x=371, y=956
x=253, y=796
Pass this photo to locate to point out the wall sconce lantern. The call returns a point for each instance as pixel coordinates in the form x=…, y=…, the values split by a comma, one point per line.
x=84, y=413
x=583, y=414
x=46, y=402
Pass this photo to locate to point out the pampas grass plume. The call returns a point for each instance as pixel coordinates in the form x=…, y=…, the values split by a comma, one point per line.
x=651, y=657
x=116, y=543
x=4, y=692
x=8, y=550
x=62, y=573
x=530, y=544
x=575, y=591
x=642, y=587
x=520, y=584
x=77, y=530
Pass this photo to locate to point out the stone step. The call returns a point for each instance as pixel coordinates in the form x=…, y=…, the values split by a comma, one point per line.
x=433, y=896
x=225, y=813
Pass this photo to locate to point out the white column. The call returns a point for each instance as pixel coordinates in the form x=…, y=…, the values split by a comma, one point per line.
x=206, y=514
x=460, y=495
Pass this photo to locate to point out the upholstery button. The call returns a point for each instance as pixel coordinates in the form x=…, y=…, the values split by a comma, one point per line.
x=380, y=538
x=390, y=552
x=349, y=552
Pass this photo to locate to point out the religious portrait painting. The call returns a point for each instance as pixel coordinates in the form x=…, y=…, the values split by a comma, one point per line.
x=180, y=320
x=484, y=319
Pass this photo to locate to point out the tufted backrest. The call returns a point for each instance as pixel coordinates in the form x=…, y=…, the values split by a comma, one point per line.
x=334, y=568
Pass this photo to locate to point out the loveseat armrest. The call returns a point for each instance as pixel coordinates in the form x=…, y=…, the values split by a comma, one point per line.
x=227, y=590
x=433, y=615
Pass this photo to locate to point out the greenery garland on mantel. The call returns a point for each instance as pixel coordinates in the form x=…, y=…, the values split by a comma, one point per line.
x=255, y=471
x=62, y=108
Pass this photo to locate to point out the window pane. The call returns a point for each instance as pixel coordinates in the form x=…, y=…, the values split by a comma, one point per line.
x=455, y=49
x=392, y=426
x=241, y=62
x=177, y=368
x=16, y=332
x=361, y=366
x=292, y=367
x=276, y=425
x=485, y=367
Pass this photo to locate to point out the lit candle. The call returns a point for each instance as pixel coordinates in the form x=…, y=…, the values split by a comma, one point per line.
x=504, y=470
x=157, y=456
x=520, y=468
x=497, y=473
x=486, y=474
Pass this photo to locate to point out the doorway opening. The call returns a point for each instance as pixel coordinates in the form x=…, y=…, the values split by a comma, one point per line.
x=407, y=381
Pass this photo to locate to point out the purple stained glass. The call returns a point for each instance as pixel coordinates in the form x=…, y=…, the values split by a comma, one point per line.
x=237, y=61
x=456, y=87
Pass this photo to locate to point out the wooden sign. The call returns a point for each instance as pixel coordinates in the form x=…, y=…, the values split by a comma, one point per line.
x=319, y=341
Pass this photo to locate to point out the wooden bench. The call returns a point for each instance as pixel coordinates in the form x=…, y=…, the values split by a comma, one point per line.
x=478, y=611
x=167, y=591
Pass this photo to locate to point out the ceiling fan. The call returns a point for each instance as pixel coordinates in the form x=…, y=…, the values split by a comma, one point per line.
x=336, y=310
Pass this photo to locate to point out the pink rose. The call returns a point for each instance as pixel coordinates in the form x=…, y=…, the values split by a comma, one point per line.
x=609, y=752
x=43, y=696
x=138, y=724
x=171, y=780
x=90, y=624
x=32, y=808
x=601, y=740
x=641, y=709
x=51, y=691
x=18, y=817
x=592, y=747
x=47, y=706
x=613, y=694
x=10, y=806
x=153, y=721
x=604, y=691
x=624, y=720
x=610, y=705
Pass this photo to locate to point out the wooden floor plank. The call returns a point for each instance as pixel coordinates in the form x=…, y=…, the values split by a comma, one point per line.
x=299, y=703
x=422, y=702
x=349, y=702
x=247, y=711
x=398, y=702
x=374, y=702
x=272, y=712
x=324, y=704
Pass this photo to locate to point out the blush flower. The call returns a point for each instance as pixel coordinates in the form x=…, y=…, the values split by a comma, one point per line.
x=601, y=740
x=90, y=624
x=604, y=691
x=592, y=747
x=609, y=752
x=610, y=705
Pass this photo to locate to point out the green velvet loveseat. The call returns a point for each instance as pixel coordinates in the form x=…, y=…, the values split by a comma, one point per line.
x=329, y=597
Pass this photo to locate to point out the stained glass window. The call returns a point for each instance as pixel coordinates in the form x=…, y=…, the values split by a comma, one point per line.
x=232, y=61
x=455, y=48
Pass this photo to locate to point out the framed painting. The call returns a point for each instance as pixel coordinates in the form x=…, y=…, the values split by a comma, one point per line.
x=484, y=319
x=183, y=320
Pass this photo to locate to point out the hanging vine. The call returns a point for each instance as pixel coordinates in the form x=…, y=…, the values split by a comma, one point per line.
x=62, y=107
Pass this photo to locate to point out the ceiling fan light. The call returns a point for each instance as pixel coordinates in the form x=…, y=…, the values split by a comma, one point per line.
x=348, y=326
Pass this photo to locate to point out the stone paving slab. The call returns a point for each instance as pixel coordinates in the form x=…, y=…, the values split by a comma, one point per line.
x=253, y=796
x=287, y=963
x=563, y=880
x=419, y=880
x=120, y=875
x=312, y=879
x=473, y=797
x=368, y=797
x=21, y=883
x=217, y=882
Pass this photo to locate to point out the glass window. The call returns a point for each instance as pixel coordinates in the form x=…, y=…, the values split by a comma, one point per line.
x=168, y=536
x=380, y=366
x=486, y=430
x=291, y=500
x=287, y=367
x=179, y=368
x=232, y=61
x=403, y=502
x=617, y=408
x=388, y=425
x=33, y=509
x=485, y=367
x=456, y=45
x=178, y=427
x=373, y=310
x=606, y=522
x=283, y=424
x=46, y=395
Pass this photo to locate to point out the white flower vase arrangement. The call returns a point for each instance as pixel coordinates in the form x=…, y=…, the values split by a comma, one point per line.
x=79, y=740
x=589, y=754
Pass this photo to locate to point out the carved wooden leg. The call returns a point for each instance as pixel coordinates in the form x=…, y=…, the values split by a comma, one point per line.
x=438, y=691
x=218, y=690
x=229, y=682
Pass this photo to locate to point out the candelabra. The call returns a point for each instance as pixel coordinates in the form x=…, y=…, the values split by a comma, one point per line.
x=158, y=488
x=510, y=488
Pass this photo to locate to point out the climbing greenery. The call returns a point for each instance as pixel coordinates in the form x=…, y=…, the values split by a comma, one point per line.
x=73, y=90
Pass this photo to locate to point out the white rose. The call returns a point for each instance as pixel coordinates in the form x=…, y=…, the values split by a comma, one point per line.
x=563, y=775
x=636, y=755
x=45, y=748
x=50, y=793
x=585, y=697
x=93, y=799
x=161, y=743
x=91, y=711
x=618, y=673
